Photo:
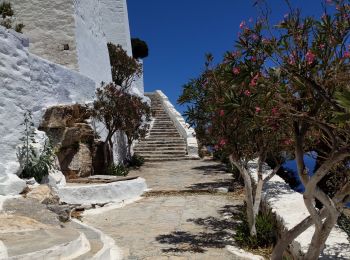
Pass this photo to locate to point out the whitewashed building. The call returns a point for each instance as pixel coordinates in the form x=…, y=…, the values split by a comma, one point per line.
x=60, y=58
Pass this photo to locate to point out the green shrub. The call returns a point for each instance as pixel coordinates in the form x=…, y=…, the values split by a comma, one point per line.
x=117, y=170
x=7, y=20
x=6, y=10
x=266, y=228
x=136, y=161
x=41, y=166
x=33, y=165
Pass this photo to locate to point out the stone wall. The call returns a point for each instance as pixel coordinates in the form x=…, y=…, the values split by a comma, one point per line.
x=30, y=83
x=50, y=25
x=85, y=26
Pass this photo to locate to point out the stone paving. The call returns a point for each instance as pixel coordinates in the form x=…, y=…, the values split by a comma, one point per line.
x=178, y=224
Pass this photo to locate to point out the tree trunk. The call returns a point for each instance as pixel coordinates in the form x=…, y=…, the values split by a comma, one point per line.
x=248, y=190
x=288, y=236
x=108, y=150
x=259, y=188
x=299, y=158
x=249, y=200
x=320, y=236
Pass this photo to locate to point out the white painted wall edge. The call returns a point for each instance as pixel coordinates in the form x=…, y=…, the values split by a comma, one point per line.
x=119, y=191
x=184, y=129
x=109, y=250
x=242, y=254
x=70, y=250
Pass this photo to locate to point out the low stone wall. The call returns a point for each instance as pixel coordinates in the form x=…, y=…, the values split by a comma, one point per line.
x=290, y=209
x=102, y=193
x=184, y=129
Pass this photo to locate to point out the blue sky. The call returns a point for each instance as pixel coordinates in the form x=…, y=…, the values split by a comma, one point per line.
x=180, y=32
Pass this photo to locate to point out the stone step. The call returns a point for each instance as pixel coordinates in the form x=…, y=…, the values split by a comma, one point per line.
x=164, y=125
x=164, y=121
x=162, y=117
x=164, y=135
x=160, y=148
x=162, y=141
x=159, y=159
x=51, y=243
x=93, y=237
x=161, y=153
x=169, y=125
x=164, y=131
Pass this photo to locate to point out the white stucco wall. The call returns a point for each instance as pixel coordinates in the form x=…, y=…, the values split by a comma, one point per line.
x=93, y=57
x=115, y=23
x=49, y=25
x=30, y=83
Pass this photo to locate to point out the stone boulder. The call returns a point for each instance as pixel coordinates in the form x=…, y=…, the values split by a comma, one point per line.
x=44, y=194
x=73, y=138
x=64, y=116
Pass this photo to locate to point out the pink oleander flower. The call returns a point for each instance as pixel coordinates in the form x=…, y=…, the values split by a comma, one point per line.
x=274, y=111
x=310, y=57
x=254, y=81
x=253, y=59
x=257, y=109
x=235, y=54
x=288, y=141
x=247, y=92
x=255, y=37
x=291, y=60
x=322, y=46
x=221, y=112
x=236, y=70
x=346, y=55
x=242, y=25
x=222, y=142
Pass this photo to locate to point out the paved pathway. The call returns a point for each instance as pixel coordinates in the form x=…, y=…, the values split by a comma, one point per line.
x=177, y=220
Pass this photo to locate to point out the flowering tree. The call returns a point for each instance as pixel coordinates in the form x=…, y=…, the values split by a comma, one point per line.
x=295, y=77
x=238, y=118
x=137, y=118
x=125, y=69
x=119, y=110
